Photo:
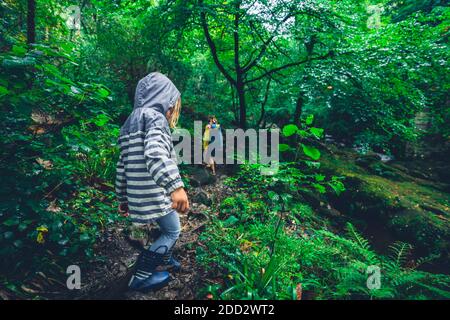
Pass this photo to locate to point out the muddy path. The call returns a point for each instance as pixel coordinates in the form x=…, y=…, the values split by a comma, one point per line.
x=108, y=277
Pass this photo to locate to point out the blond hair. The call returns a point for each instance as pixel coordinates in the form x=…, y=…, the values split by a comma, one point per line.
x=175, y=114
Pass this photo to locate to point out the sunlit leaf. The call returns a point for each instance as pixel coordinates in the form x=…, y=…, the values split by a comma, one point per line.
x=289, y=130
x=311, y=152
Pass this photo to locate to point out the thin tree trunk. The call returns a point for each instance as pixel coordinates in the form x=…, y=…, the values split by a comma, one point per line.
x=31, y=23
x=240, y=85
x=298, y=109
x=233, y=99
x=242, y=105
x=264, y=102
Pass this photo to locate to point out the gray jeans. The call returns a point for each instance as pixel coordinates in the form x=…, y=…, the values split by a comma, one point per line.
x=170, y=231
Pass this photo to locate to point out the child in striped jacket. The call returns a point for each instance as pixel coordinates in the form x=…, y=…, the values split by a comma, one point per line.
x=148, y=183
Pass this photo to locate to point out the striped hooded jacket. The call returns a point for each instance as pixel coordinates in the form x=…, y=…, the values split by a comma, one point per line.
x=147, y=171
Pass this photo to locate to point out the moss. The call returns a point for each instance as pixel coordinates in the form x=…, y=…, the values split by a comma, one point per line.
x=412, y=193
x=414, y=208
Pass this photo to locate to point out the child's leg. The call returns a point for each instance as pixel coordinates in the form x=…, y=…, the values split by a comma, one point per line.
x=146, y=275
x=213, y=166
x=170, y=231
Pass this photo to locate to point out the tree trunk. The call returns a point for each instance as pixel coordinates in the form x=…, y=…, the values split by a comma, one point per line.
x=31, y=23
x=242, y=104
x=298, y=109
x=240, y=86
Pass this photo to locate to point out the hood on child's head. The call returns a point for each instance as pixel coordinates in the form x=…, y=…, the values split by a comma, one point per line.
x=156, y=91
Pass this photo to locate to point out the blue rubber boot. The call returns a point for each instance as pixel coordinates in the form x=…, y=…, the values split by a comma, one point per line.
x=146, y=278
x=173, y=264
x=170, y=263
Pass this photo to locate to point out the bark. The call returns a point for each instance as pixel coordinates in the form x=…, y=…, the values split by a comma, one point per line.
x=298, y=109
x=263, y=103
x=31, y=22
x=240, y=85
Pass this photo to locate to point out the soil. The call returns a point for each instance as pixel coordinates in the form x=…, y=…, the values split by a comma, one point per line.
x=108, y=277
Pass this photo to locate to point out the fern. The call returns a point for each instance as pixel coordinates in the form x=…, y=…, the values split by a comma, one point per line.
x=356, y=244
x=427, y=259
x=400, y=252
x=355, y=236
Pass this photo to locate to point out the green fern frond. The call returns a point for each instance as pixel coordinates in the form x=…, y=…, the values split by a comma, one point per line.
x=358, y=245
x=400, y=252
x=358, y=238
x=427, y=259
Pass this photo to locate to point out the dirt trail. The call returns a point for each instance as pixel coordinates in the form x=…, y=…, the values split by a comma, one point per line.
x=108, y=279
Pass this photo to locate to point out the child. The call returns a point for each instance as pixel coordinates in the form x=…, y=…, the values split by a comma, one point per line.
x=148, y=183
x=212, y=131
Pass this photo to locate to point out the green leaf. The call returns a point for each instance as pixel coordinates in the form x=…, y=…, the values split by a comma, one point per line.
x=103, y=92
x=302, y=133
x=309, y=120
x=311, y=152
x=3, y=91
x=283, y=147
x=289, y=130
x=319, y=177
x=320, y=188
x=19, y=51
x=273, y=196
x=230, y=221
x=101, y=120
x=16, y=62
x=11, y=222
x=337, y=186
x=318, y=132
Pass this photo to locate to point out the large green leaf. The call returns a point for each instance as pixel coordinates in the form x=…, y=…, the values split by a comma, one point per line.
x=283, y=147
x=103, y=92
x=318, y=132
x=289, y=130
x=311, y=152
x=19, y=51
x=3, y=91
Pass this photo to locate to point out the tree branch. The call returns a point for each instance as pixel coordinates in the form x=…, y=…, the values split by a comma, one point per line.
x=237, y=64
x=212, y=46
x=289, y=65
x=266, y=43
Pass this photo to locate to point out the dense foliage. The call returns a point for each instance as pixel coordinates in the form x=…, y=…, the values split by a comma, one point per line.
x=363, y=75
x=285, y=251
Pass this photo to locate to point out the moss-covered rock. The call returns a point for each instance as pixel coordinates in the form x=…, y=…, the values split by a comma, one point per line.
x=415, y=209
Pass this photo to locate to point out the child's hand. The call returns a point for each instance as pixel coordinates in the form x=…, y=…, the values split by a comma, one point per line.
x=123, y=209
x=180, y=200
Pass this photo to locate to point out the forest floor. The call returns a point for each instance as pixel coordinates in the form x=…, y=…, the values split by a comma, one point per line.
x=414, y=206
x=108, y=278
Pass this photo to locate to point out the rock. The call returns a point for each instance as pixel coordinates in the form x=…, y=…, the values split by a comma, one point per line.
x=384, y=157
x=413, y=209
x=200, y=176
x=367, y=159
x=202, y=197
